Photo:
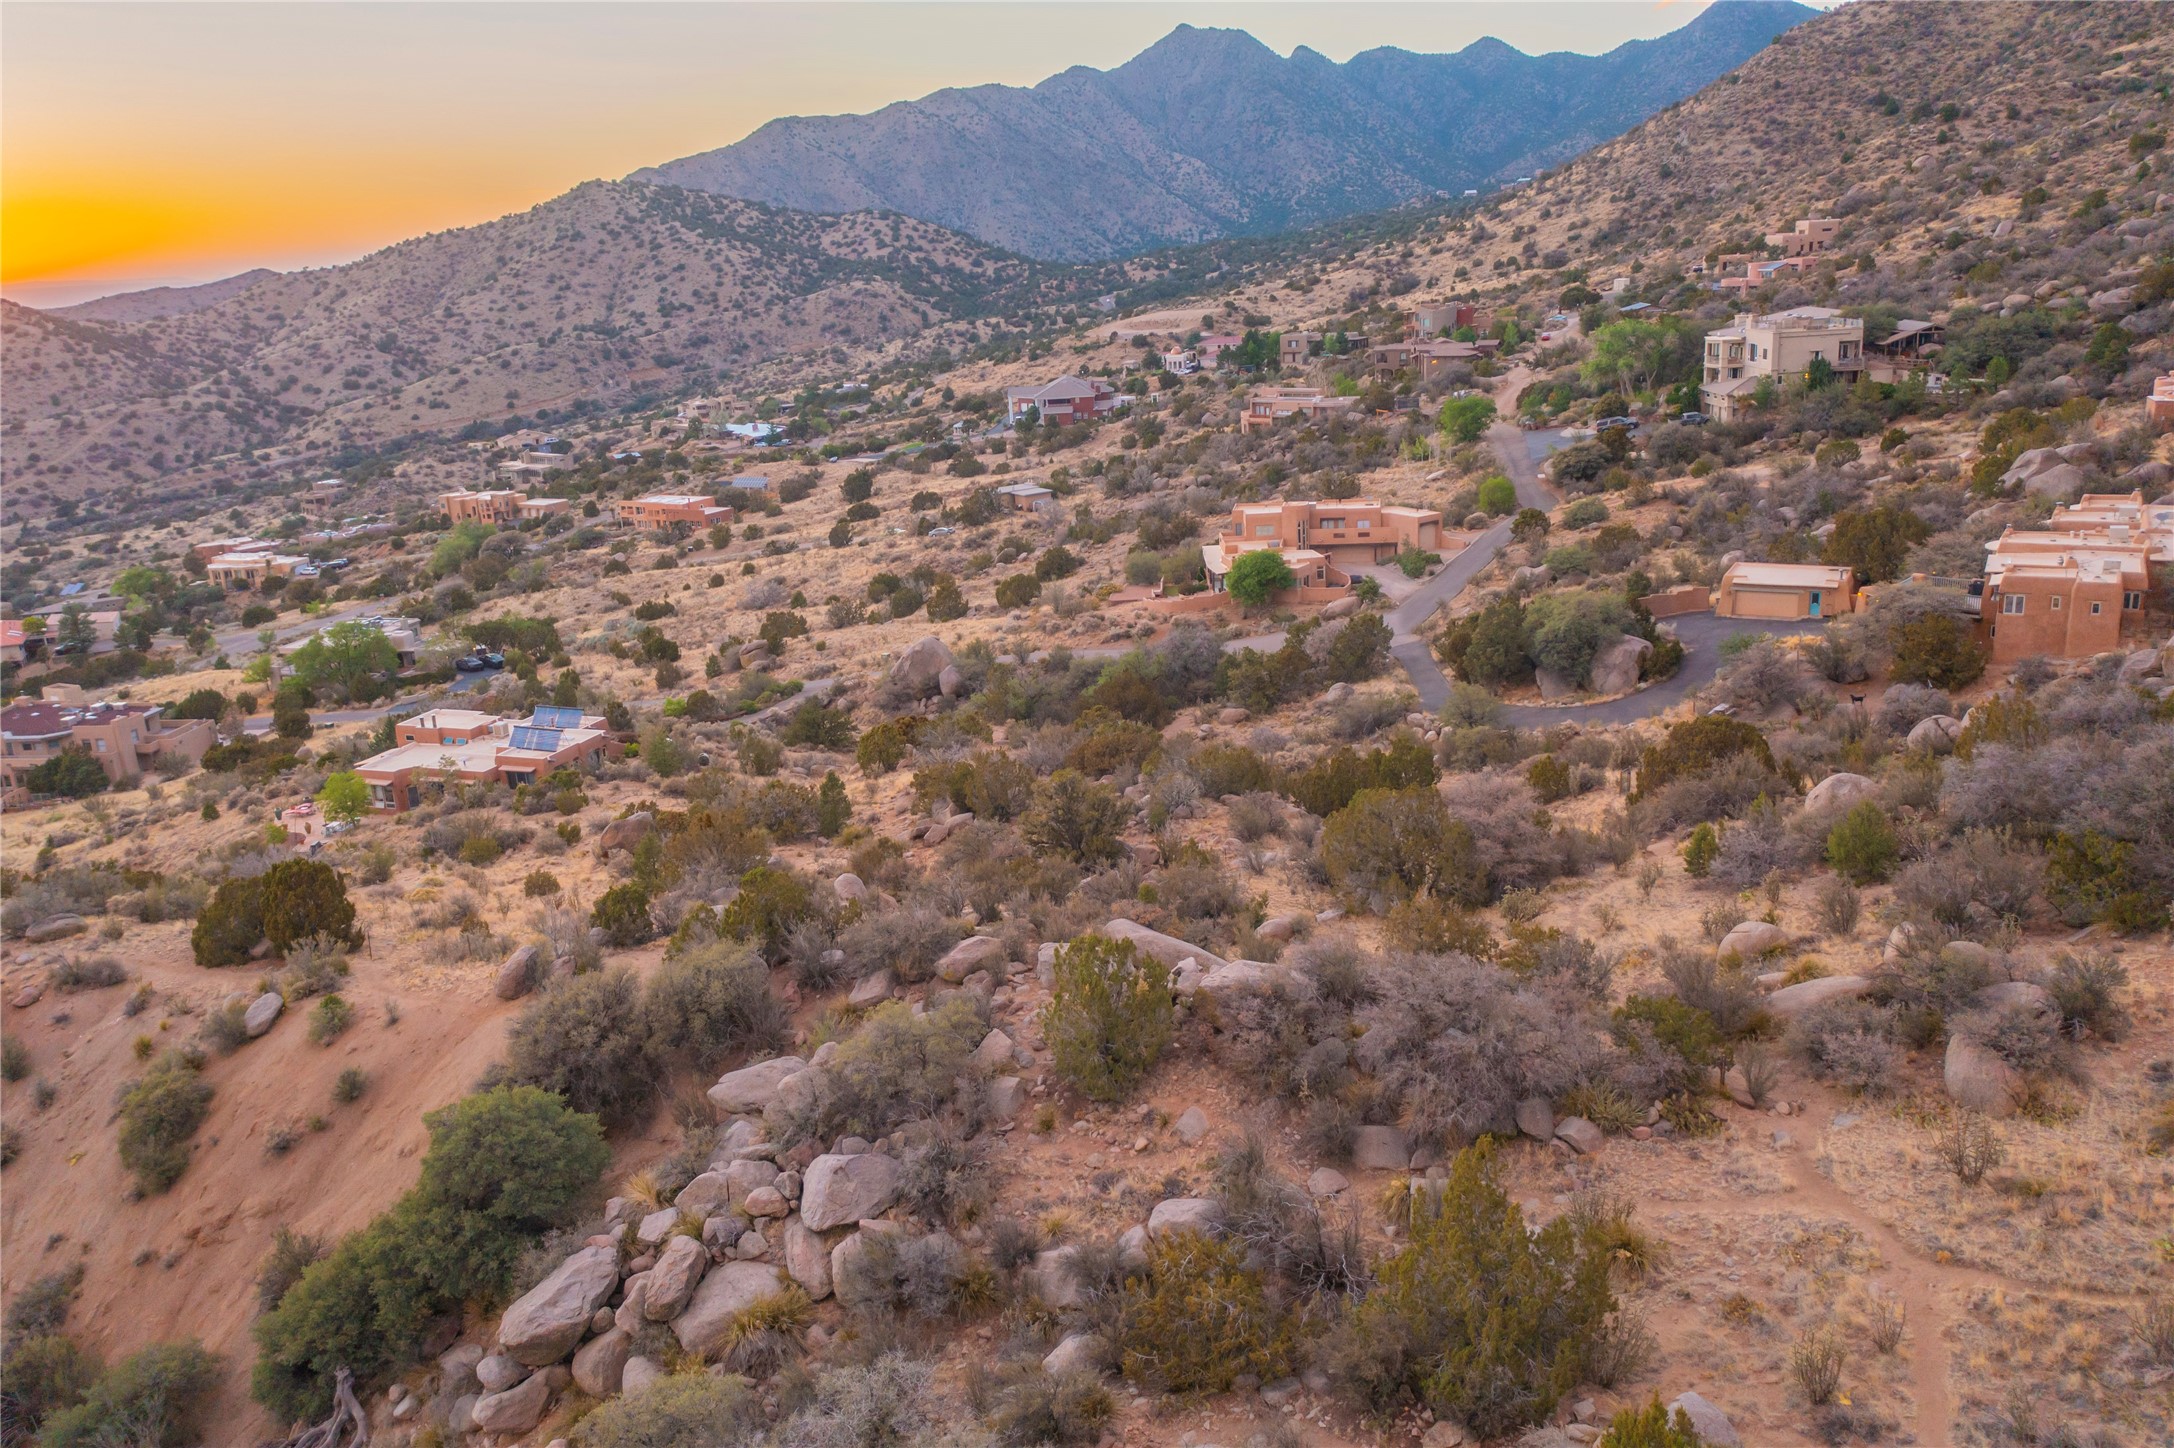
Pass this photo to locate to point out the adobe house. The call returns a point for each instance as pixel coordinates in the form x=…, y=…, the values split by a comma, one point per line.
x=1785, y=591
x=2159, y=407
x=1067, y=399
x=669, y=511
x=496, y=506
x=127, y=740
x=1780, y=347
x=465, y=745
x=1355, y=530
x=1027, y=497
x=1810, y=237
x=1271, y=405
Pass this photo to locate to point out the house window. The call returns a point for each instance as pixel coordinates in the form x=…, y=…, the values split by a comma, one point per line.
x=2132, y=600
x=1264, y=530
x=2011, y=603
x=2096, y=609
x=2056, y=601
x=101, y=745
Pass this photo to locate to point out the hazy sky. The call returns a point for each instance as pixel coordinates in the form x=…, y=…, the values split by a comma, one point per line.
x=148, y=144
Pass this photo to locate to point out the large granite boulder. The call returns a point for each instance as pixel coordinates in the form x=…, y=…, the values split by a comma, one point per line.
x=545, y=1322
x=602, y=1363
x=1184, y=1214
x=839, y=1190
x=1615, y=667
x=55, y=927
x=625, y=834
x=517, y=975
x=807, y=1259
x=1751, y=939
x=672, y=1281
x=1166, y=948
x=1554, y=686
x=1792, y=1001
x=516, y=1410
x=1838, y=791
x=1978, y=1080
x=747, y=1091
x=1937, y=734
x=1053, y=1279
x=919, y=670
x=976, y=952
x=262, y=1013
x=1711, y=1424
x=1381, y=1148
x=729, y=1289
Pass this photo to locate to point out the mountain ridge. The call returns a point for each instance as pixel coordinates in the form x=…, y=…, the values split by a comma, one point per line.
x=1163, y=150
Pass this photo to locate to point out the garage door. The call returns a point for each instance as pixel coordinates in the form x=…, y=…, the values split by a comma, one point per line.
x=1769, y=603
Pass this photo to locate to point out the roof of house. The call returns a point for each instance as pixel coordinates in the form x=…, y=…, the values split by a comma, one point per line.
x=1063, y=389
x=34, y=721
x=1024, y=490
x=1786, y=575
x=678, y=500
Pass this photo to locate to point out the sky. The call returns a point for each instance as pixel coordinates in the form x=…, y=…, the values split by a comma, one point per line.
x=171, y=143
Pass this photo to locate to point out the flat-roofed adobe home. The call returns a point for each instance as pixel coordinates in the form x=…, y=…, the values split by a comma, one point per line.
x=1809, y=237
x=497, y=506
x=1785, y=591
x=1315, y=579
x=249, y=569
x=1271, y=405
x=1067, y=399
x=670, y=511
x=464, y=745
x=1027, y=497
x=1780, y=347
x=1443, y=318
x=1911, y=347
x=127, y=740
x=2072, y=587
x=1355, y=530
x=2159, y=407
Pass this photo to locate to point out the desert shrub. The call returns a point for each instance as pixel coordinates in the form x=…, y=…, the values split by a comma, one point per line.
x=944, y=1180
x=504, y=1166
x=1254, y=817
x=1433, y=925
x=1199, y=1318
x=2028, y=1039
x=921, y=1277
x=895, y=1067
x=622, y=913
x=771, y=901
x=1455, y=1044
x=1763, y=677
x=1863, y=846
x=41, y=1375
x=291, y=1255
x=2087, y=993
x=1229, y=769
x=1700, y=851
x=350, y=1085
x=1815, y=1366
x=1727, y=790
x=152, y=1399
x=585, y=1040
x=230, y=924
x=1837, y=906
x=14, y=1059
x=302, y=900
x=1335, y=779
x=159, y=1114
x=1852, y=1044
x=1722, y=989
x=989, y=783
x=1025, y=1406
x=710, y=1004
x=1756, y=847
x=1482, y=1321
x=684, y=1410
x=890, y=1402
x=907, y=942
x=1982, y=878
x=1650, y=1427
x=41, y=1306
x=1694, y=747
x=1390, y=844
x=1075, y=819
x=2091, y=876
x=1677, y=1042
x=1109, y=1016
x=540, y=885
x=88, y=973
x=329, y=1018
x=1936, y=650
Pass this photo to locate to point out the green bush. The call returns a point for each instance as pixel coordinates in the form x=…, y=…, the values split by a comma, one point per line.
x=159, y=1114
x=153, y=1399
x=41, y=1375
x=712, y=1003
x=1862, y=846
x=1257, y=575
x=1335, y=779
x=329, y=1018
x=895, y=1067
x=1076, y=819
x=230, y=924
x=14, y=1059
x=74, y=773
x=303, y=899
x=622, y=913
x=1199, y=1318
x=685, y=1410
x=772, y=900
x=2090, y=876
x=1229, y=769
x=1937, y=651
x=1109, y=1017
x=587, y=1040
x=1396, y=843
x=504, y=1166
x=1695, y=746
x=1497, y=495
x=1477, y=1318
x=1018, y=591
x=1651, y=1427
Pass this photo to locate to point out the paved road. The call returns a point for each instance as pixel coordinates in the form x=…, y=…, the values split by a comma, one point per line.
x=1701, y=634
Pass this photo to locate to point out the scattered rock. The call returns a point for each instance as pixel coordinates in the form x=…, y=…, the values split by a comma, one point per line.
x=1132, y=1249
x=602, y=1362
x=849, y=887
x=969, y=955
x=1327, y=1182
x=517, y=976
x=1381, y=1148
x=1792, y=1001
x=672, y=1281
x=1709, y=1422
x=919, y=670
x=1752, y=939
x=55, y=927
x=1443, y=1435
x=1184, y=1214
x=849, y=1277
x=729, y=1289
x=262, y=1012
x=1580, y=1135
x=640, y=1373
x=1615, y=667
x=951, y=683
x=516, y=1410
x=655, y=1226
x=807, y=1259
x=625, y=834
x=1278, y=927
x=994, y=1053
x=1191, y=1125
x=747, y=1091
x=1738, y=1086
x=2013, y=993
x=1007, y=1095
x=1937, y=734
x=765, y=1202
x=838, y=1190
x=1166, y=948
x=871, y=990
x=498, y=1372
x=1554, y=686
x=1080, y=1352
x=1536, y=1118
x=545, y=1322
x=1052, y=1279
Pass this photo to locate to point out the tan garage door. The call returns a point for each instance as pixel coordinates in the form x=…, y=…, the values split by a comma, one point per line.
x=1768, y=603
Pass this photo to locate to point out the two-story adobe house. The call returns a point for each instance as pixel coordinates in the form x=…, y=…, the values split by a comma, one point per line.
x=1778, y=347
x=127, y=740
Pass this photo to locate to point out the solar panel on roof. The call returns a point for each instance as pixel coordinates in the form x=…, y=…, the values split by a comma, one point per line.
x=544, y=741
x=557, y=716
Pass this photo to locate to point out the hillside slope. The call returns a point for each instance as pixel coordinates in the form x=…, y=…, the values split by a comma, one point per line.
x=1210, y=133
x=609, y=290
x=151, y=303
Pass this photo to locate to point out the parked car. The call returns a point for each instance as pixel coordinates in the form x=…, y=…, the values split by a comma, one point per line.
x=1695, y=419
x=479, y=661
x=1628, y=424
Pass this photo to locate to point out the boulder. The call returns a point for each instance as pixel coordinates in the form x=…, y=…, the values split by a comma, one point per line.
x=747, y=1091
x=2027, y=993
x=516, y=1410
x=1381, y=1148
x=625, y=834
x=705, y=1196
x=1792, y=1001
x=849, y=887
x=1978, y=1080
x=262, y=1012
x=55, y=927
x=1326, y=1182
x=655, y=1226
x=950, y=682
x=672, y=1281
x=919, y=670
x=975, y=952
x=1053, y=1280
x=1007, y=1097
x=641, y=1374
x=2059, y=481
x=1937, y=733
x=1711, y=1424
x=517, y=976
x=1166, y=948
x=872, y=990
x=1615, y=667
x=1080, y=1352
x=1752, y=939
x=729, y=1289
x=838, y=1190
x=496, y=1373
x=747, y=1176
x=1965, y=955
x=807, y=1259
x=602, y=1362
x=765, y=1202
x=1838, y=791
x=1536, y=1118
x=849, y=1275
x=1554, y=686
x=1341, y=607
x=544, y=1323
x=994, y=1053
x=1234, y=977
x=1184, y=1214
x=1132, y=1248
x=1580, y=1135
x=2139, y=666
x=1191, y=1125
x=2112, y=301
